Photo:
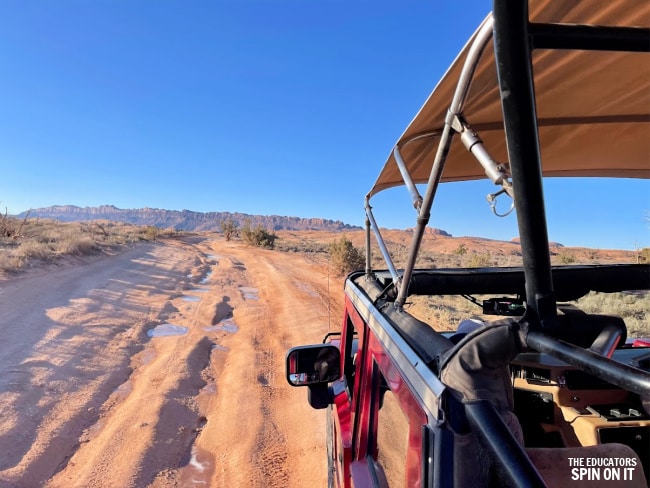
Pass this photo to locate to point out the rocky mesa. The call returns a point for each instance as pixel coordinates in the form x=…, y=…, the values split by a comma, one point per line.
x=186, y=220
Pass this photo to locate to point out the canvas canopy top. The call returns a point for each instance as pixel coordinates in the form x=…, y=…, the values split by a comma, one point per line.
x=593, y=106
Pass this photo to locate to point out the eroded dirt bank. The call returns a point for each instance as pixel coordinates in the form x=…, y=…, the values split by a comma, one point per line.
x=90, y=400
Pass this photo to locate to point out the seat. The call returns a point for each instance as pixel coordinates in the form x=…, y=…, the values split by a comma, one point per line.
x=601, y=333
x=477, y=369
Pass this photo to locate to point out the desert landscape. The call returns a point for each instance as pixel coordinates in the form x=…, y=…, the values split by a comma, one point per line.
x=162, y=363
x=89, y=399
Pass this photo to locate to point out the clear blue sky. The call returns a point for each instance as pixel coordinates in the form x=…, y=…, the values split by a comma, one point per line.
x=286, y=107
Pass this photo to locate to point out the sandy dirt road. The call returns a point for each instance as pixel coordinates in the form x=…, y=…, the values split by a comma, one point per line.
x=89, y=399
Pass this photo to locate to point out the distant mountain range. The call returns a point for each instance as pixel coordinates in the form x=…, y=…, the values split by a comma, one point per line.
x=186, y=220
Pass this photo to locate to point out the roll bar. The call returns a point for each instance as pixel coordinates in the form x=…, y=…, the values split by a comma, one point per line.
x=514, y=39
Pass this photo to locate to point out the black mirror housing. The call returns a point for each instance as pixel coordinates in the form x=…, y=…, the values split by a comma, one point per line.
x=320, y=396
x=316, y=364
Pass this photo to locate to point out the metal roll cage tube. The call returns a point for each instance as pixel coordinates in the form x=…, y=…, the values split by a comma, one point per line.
x=520, y=40
x=622, y=375
x=370, y=219
x=416, y=198
x=512, y=49
x=483, y=36
x=501, y=445
x=371, y=223
x=514, y=39
x=453, y=123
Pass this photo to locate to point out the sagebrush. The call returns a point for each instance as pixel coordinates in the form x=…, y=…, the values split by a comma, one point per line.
x=258, y=236
x=25, y=242
x=344, y=257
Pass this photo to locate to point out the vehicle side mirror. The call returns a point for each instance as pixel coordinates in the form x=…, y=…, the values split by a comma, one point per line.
x=313, y=365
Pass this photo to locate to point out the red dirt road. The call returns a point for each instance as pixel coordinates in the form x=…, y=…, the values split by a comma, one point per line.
x=88, y=399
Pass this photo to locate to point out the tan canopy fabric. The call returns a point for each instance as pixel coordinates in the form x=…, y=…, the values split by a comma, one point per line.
x=593, y=107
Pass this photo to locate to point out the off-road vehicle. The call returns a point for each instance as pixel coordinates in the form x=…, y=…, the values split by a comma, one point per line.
x=530, y=390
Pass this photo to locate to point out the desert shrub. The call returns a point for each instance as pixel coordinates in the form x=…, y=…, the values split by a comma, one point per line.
x=399, y=254
x=77, y=246
x=479, y=260
x=48, y=240
x=258, y=236
x=11, y=227
x=425, y=260
x=151, y=233
x=633, y=308
x=443, y=312
x=461, y=250
x=643, y=255
x=344, y=257
x=565, y=257
x=35, y=250
x=306, y=246
x=229, y=228
x=9, y=261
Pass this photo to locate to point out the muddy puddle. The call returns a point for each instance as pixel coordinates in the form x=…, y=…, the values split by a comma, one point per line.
x=201, y=289
x=209, y=389
x=190, y=298
x=199, y=469
x=226, y=325
x=206, y=278
x=249, y=293
x=166, y=330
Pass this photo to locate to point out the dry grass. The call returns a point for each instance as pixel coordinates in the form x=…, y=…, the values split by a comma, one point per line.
x=633, y=308
x=445, y=313
x=30, y=242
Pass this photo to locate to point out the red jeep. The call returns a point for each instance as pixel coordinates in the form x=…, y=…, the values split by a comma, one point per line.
x=530, y=390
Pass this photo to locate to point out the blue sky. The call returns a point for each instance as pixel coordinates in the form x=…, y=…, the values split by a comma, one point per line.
x=286, y=107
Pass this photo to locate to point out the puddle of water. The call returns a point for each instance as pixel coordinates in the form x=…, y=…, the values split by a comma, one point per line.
x=226, y=325
x=219, y=347
x=198, y=471
x=206, y=278
x=190, y=298
x=249, y=293
x=190, y=275
x=194, y=462
x=166, y=330
x=200, y=290
x=209, y=389
x=214, y=257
